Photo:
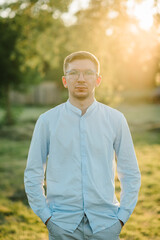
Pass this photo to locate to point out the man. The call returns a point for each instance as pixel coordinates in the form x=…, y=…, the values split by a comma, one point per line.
x=80, y=138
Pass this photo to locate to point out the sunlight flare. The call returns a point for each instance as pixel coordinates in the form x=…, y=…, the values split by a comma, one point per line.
x=143, y=12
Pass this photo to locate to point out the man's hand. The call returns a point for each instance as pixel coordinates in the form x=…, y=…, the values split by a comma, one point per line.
x=121, y=223
x=47, y=220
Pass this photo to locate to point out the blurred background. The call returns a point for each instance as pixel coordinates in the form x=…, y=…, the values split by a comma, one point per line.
x=35, y=37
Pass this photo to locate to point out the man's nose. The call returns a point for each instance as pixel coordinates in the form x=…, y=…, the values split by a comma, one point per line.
x=81, y=77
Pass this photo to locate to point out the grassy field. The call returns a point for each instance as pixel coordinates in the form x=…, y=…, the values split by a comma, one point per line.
x=18, y=222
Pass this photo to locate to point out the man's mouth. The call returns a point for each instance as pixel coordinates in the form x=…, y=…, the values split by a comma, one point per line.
x=81, y=87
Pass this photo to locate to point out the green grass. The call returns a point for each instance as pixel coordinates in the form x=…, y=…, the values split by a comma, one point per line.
x=17, y=221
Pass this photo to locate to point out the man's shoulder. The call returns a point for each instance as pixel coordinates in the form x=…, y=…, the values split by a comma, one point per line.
x=53, y=111
x=110, y=110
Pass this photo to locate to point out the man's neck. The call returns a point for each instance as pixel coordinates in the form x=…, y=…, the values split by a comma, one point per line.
x=82, y=104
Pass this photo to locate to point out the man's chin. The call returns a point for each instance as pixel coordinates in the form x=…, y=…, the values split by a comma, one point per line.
x=81, y=96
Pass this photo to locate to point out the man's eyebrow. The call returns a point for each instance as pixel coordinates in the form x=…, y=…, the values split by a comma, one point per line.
x=72, y=69
x=77, y=69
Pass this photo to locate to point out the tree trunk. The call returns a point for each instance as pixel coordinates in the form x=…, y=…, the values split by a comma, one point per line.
x=8, y=115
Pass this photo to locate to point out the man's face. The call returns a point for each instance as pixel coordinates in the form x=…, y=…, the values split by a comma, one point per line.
x=81, y=79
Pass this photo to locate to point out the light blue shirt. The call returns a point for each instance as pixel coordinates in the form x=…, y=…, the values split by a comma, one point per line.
x=78, y=154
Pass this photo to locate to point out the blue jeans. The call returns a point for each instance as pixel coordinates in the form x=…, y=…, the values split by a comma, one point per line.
x=84, y=232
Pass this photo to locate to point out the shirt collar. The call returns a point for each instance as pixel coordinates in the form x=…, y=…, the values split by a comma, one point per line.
x=78, y=111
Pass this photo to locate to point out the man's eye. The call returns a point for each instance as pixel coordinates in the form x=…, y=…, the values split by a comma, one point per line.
x=89, y=73
x=73, y=73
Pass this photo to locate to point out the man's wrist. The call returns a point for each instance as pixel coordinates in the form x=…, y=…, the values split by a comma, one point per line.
x=47, y=220
x=122, y=224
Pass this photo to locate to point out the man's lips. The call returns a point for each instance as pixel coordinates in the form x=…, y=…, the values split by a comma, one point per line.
x=81, y=87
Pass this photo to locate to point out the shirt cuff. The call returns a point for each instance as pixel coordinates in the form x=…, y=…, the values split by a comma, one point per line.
x=45, y=214
x=123, y=215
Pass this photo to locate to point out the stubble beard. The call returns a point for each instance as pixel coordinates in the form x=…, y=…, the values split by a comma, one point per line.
x=81, y=96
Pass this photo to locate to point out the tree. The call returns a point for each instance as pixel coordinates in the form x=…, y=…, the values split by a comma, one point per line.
x=10, y=63
x=128, y=53
x=31, y=38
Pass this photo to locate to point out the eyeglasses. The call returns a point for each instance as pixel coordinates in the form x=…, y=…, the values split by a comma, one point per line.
x=87, y=74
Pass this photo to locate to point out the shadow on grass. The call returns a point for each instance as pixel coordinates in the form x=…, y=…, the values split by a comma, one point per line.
x=19, y=195
x=155, y=130
x=17, y=132
x=146, y=134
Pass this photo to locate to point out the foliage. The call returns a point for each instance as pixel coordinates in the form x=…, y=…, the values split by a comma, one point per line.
x=30, y=46
x=129, y=55
x=42, y=37
x=10, y=56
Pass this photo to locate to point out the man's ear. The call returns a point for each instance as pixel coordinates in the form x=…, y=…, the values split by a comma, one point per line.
x=98, y=81
x=64, y=82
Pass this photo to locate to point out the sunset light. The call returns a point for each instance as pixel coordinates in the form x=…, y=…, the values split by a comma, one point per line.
x=143, y=11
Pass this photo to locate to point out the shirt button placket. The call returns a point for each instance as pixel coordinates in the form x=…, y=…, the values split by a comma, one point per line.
x=83, y=158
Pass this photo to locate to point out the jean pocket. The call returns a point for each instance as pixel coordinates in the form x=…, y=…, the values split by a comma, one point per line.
x=49, y=224
x=54, y=230
x=116, y=228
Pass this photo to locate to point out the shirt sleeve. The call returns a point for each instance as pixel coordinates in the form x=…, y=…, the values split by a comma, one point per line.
x=127, y=170
x=35, y=170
